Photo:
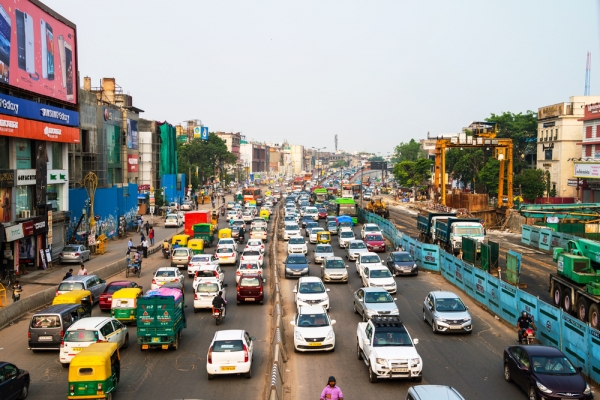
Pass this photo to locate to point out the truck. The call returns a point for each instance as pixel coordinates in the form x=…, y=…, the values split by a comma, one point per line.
x=575, y=287
x=388, y=351
x=298, y=183
x=195, y=217
x=160, y=318
x=379, y=207
x=426, y=225
x=449, y=233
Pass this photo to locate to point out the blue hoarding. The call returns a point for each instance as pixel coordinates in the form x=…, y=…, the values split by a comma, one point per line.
x=22, y=108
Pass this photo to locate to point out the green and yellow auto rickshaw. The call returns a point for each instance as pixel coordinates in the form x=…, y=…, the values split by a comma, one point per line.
x=124, y=304
x=95, y=372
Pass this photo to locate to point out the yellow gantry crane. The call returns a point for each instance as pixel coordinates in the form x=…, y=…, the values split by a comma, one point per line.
x=484, y=136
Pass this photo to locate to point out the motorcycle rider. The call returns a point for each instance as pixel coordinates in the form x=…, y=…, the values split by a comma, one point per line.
x=165, y=246
x=223, y=210
x=219, y=303
x=523, y=324
x=332, y=391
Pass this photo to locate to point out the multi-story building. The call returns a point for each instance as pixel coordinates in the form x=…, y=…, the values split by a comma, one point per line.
x=255, y=157
x=586, y=177
x=297, y=159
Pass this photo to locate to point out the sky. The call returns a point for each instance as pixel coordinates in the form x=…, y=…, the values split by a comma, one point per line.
x=376, y=73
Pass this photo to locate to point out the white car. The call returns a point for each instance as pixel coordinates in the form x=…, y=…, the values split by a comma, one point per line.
x=226, y=255
x=313, y=234
x=255, y=244
x=252, y=255
x=258, y=232
x=290, y=230
x=230, y=352
x=208, y=271
x=230, y=205
x=227, y=242
x=165, y=275
x=173, y=221
x=186, y=206
x=247, y=216
x=90, y=330
x=259, y=222
x=290, y=219
x=345, y=235
x=378, y=276
x=201, y=260
x=231, y=214
x=368, y=229
x=323, y=251
x=247, y=267
x=310, y=291
x=297, y=244
x=205, y=291
x=367, y=259
x=312, y=212
x=354, y=249
x=313, y=329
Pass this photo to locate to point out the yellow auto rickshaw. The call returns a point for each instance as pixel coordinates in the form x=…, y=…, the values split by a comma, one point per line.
x=95, y=372
x=196, y=245
x=124, y=304
x=83, y=297
x=324, y=237
x=265, y=214
x=182, y=239
x=224, y=233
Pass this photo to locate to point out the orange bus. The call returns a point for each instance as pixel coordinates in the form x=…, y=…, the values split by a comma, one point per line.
x=253, y=193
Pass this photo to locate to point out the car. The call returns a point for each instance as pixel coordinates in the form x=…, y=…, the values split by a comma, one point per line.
x=14, y=381
x=375, y=242
x=354, y=249
x=322, y=213
x=173, y=221
x=105, y=301
x=252, y=255
x=433, y=392
x=306, y=219
x=289, y=230
x=345, y=235
x=365, y=260
x=367, y=196
x=180, y=257
x=259, y=222
x=166, y=274
x=402, y=263
x=205, y=291
x=322, y=251
x=187, y=206
x=312, y=212
x=92, y=283
x=231, y=214
x=309, y=226
x=227, y=242
x=332, y=227
x=544, y=372
x=296, y=265
x=291, y=218
x=230, y=352
x=446, y=312
x=310, y=291
x=258, y=232
x=91, y=330
x=74, y=253
x=368, y=229
x=370, y=301
x=208, y=271
x=255, y=244
x=248, y=268
x=230, y=205
x=227, y=255
x=312, y=238
x=333, y=269
x=313, y=330
x=250, y=288
x=297, y=244
x=247, y=216
x=200, y=261
x=378, y=276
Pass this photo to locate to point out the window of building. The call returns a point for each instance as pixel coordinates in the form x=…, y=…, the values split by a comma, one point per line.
x=588, y=150
x=23, y=153
x=548, y=154
x=55, y=197
x=24, y=199
x=588, y=132
x=57, y=156
x=556, y=134
x=4, y=153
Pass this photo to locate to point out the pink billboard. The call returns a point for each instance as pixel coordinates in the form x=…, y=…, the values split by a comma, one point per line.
x=37, y=52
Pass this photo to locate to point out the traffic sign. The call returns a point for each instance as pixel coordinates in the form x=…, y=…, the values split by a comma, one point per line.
x=204, y=132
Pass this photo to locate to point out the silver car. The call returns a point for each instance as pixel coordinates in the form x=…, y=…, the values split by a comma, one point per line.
x=332, y=227
x=345, y=236
x=374, y=301
x=446, y=312
x=334, y=270
x=322, y=251
x=355, y=248
x=74, y=253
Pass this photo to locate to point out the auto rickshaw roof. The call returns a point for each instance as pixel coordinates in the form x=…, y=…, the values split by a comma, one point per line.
x=97, y=357
x=127, y=293
x=72, y=297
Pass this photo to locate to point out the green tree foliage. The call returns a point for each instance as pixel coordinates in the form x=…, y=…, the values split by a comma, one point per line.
x=489, y=175
x=465, y=164
x=522, y=129
x=410, y=151
x=532, y=183
x=339, y=164
x=412, y=173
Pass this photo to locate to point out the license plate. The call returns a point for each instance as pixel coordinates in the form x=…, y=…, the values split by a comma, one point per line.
x=297, y=273
x=227, y=368
x=314, y=344
x=155, y=340
x=455, y=327
x=250, y=299
x=77, y=348
x=45, y=338
x=224, y=258
x=399, y=369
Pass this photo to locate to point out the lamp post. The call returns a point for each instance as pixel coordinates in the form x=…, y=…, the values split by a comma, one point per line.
x=317, y=160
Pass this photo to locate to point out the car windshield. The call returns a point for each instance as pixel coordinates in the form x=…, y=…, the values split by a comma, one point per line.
x=358, y=245
x=452, y=304
x=297, y=260
x=369, y=259
x=180, y=252
x=226, y=241
x=165, y=274
x=380, y=273
x=254, y=243
x=334, y=264
x=374, y=238
x=555, y=365
x=222, y=250
x=324, y=249
x=378, y=297
x=253, y=282
x=171, y=217
x=312, y=320
x=249, y=266
x=311, y=287
x=347, y=234
x=45, y=321
x=403, y=257
x=227, y=346
x=468, y=230
x=81, y=336
x=291, y=228
x=297, y=240
x=207, y=288
x=68, y=286
x=371, y=228
x=391, y=338
x=200, y=259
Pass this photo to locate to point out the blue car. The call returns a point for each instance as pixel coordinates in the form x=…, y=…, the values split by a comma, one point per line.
x=296, y=265
x=305, y=219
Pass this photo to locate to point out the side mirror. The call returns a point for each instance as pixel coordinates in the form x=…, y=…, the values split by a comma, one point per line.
x=366, y=342
x=467, y=307
x=333, y=322
x=328, y=289
x=294, y=290
x=346, y=265
x=415, y=341
x=252, y=338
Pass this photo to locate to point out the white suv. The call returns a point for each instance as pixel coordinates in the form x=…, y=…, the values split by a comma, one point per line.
x=230, y=352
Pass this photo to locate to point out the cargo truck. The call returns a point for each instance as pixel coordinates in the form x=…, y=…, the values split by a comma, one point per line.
x=195, y=217
x=450, y=233
x=426, y=225
x=575, y=287
x=160, y=318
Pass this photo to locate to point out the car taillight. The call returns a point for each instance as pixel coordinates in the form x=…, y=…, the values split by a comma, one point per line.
x=239, y=273
x=189, y=258
x=60, y=254
x=171, y=258
x=57, y=293
x=176, y=280
x=245, y=353
x=238, y=288
x=154, y=281
x=243, y=258
x=195, y=296
x=260, y=257
x=77, y=254
x=28, y=335
x=260, y=272
x=210, y=355
x=215, y=273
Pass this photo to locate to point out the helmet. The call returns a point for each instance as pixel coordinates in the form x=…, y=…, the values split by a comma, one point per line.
x=331, y=379
x=524, y=313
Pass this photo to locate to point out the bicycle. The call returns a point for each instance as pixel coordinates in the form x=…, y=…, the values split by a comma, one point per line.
x=9, y=277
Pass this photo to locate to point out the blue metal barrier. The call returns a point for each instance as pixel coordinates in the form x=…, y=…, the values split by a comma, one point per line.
x=418, y=256
x=508, y=303
x=575, y=341
x=528, y=302
x=594, y=351
x=480, y=282
x=526, y=234
x=430, y=255
x=549, y=325
x=468, y=278
x=545, y=239
x=493, y=290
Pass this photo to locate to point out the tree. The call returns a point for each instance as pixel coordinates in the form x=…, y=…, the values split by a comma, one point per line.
x=465, y=164
x=489, y=175
x=522, y=129
x=412, y=173
x=410, y=151
x=532, y=183
x=339, y=163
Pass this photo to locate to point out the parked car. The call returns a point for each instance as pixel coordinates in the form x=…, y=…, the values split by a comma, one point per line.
x=296, y=265
x=310, y=291
x=370, y=301
x=446, y=312
x=14, y=383
x=230, y=352
x=74, y=253
x=402, y=263
x=83, y=282
x=250, y=289
x=333, y=269
x=313, y=329
x=166, y=274
x=105, y=301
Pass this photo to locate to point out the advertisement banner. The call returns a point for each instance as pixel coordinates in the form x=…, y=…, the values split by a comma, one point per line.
x=5, y=206
x=49, y=237
x=17, y=107
x=37, y=52
x=28, y=129
x=132, y=134
x=587, y=170
x=25, y=177
x=132, y=163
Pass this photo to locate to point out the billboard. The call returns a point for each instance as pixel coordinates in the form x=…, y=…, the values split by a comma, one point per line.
x=17, y=107
x=132, y=163
x=28, y=129
x=37, y=52
x=587, y=170
x=132, y=134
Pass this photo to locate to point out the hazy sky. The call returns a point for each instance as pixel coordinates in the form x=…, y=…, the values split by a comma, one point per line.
x=376, y=73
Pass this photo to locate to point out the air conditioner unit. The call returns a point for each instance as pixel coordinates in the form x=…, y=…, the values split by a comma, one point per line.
x=26, y=214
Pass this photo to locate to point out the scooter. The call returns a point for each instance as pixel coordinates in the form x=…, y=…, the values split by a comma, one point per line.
x=222, y=210
x=218, y=314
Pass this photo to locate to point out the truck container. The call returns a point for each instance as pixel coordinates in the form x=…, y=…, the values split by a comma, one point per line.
x=449, y=233
x=425, y=225
x=160, y=318
x=195, y=217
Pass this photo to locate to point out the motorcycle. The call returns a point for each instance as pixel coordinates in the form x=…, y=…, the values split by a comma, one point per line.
x=222, y=210
x=528, y=336
x=165, y=252
x=218, y=314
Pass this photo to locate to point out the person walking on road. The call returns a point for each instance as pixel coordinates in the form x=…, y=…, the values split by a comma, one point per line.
x=82, y=271
x=130, y=243
x=145, y=247
x=147, y=226
x=332, y=391
x=151, y=236
x=68, y=274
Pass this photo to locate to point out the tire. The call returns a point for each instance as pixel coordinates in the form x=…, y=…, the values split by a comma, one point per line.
x=424, y=317
x=434, y=328
x=567, y=303
x=210, y=376
x=582, y=309
x=531, y=394
x=358, y=352
x=507, y=376
x=217, y=321
x=355, y=310
x=24, y=392
x=594, y=316
x=418, y=379
x=126, y=344
x=372, y=375
x=65, y=365
x=248, y=374
x=175, y=344
x=557, y=296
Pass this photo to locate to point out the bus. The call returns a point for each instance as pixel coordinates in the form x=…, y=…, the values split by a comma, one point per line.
x=347, y=191
x=356, y=190
x=319, y=195
x=253, y=193
x=347, y=207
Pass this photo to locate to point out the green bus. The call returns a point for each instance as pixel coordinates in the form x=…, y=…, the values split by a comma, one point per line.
x=344, y=206
x=319, y=195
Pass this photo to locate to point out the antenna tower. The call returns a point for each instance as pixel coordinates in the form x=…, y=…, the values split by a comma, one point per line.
x=336, y=143
x=588, y=67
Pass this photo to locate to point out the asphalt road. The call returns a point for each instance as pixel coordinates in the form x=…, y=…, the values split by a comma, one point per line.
x=470, y=363
x=160, y=374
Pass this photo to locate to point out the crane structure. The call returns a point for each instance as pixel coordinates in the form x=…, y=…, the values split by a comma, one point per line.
x=484, y=135
x=588, y=67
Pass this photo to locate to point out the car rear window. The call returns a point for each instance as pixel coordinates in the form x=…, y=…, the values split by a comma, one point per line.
x=205, y=274
x=224, y=250
x=251, y=253
x=346, y=234
x=250, y=282
x=375, y=237
x=224, y=346
x=45, y=321
x=207, y=288
x=358, y=245
x=81, y=336
x=68, y=286
x=249, y=266
x=70, y=249
x=165, y=274
x=180, y=252
x=113, y=288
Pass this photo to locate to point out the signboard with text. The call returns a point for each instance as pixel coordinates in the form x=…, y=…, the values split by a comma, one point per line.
x=587, y=170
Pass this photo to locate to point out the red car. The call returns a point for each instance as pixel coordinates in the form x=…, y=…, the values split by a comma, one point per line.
x=375, y=243
x=106, y=296
x=250, y=289
x=322, y=213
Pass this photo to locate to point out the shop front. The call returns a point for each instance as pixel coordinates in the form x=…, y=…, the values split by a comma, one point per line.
x=29, y=237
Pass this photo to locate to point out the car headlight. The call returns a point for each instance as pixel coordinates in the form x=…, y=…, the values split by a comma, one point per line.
x=587, y=390
x=395, y=311
x=298, y=336
x=415, y=361
x=543, y=388
x=440, y=319
x=329, y=335
x=380, y=361
x=415, y=266
x=370, y=313
x=304, y=269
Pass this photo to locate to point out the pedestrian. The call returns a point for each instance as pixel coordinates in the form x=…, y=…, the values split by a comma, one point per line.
x=332, y=391
x=140, y=224
x=142, y=237
x=151, y=236
x=147, y=226
x=130, y=243
x=68, y=274
x=145, y=247
x=82, y=271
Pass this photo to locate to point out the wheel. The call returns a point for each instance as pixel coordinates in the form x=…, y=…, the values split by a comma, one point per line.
x=248, y=374
x=355, y=310
x=557, y=296
x=507, y=376
x=24, y=392
x=424, y=317
x=418, y=378
x=238, y=302
x=582, y=309
x=65, y=365
x=433, y=327
x=567, y=300
x=532, y=395
x=217, y=320
x=261, y=302
x=109, y=396
x=175, y=344
x=210, y=376
x=372, y=375
x=594, y=316
x=364, y=317
x=358, y=352
x=126, y=344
